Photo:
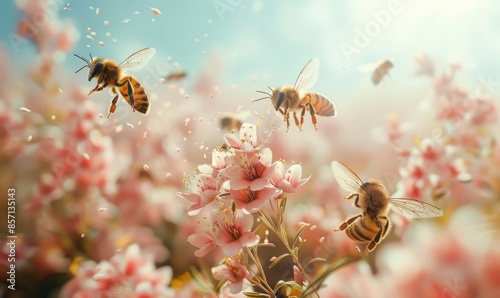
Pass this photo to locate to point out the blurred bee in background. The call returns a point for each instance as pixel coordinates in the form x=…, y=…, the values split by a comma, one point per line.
x=381, y=71
x=372, y=225
x=231, y=122
x=294, y=99
x=109, y=74
x=378, y=70
x=175, y=76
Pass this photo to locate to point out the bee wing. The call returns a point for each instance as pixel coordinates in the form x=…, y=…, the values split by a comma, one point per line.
x=414, y=208
x=347, y=178
x=308, y=76
x=138, y=59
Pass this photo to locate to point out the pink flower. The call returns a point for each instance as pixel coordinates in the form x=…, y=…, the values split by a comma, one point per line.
x=253, y=171
x=253, y=201
x=291, y=181
x=247, y=141
x=127, y=274
x=205, y=192
x=222, y=157
x=232, y=271
x=233, y=231
x=425, y=66
x=204, y=236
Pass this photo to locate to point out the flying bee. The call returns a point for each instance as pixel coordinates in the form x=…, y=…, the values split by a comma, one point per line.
x=231, y=122
x=378, y=70
x=288, y=99
x=175, y=76
x=112, y=75
x=381, y=71
x=372, y=224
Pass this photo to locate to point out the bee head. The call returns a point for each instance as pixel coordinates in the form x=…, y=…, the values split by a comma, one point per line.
x=95, y=67
x=268, y=95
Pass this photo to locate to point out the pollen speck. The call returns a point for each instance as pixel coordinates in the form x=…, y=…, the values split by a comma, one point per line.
x=29, y=138
x=26, y=110
x=156, y=11
x=90, y=37
x=145, y=167
x=130, y=125
x=102, y=209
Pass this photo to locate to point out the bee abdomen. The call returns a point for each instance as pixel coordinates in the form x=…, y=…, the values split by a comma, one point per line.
x=322, y=105
x=141, y=100
x=360, y=231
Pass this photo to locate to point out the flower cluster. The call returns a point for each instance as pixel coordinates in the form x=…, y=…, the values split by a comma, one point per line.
x=452, y=162
x=131, y=273
x=242, y=181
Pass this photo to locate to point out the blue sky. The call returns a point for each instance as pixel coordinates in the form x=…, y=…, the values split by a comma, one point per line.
x=274, y=39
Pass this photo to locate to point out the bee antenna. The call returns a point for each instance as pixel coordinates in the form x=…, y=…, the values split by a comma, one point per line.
x=86, y=61
x=270, y=89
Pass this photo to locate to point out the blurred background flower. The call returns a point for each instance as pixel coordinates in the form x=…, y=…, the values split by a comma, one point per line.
x=96, y=194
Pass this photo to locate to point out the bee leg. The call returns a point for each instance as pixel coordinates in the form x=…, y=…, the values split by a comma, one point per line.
x=97, y=89
x=380, y=235
x=313, y=115
x=347, y=223
x=299, y=125
x=287, y=119
x=352, y=195
x=112, y=107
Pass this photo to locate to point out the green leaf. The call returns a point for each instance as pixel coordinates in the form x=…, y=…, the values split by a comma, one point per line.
x=266, y=245
x=299, y=232
x=318, y=281
x=278, y=259
x=255, y=294
x=314, y=260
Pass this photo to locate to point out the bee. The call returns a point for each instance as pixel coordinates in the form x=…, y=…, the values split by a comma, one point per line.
x=381, y=70
x=372, y=224
x=288, y=99
x=378, y=70
x=231, y=122
x=175, y=76
x=112, y=75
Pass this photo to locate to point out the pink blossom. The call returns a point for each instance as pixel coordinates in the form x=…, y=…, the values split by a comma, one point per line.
x=253, y=171
x=425, y=66
x=203, y=239
x=205, y=192
x=128, y=274
x=222, y=157
x=247, y=142
x=232, y=271
x=291, y=181
x=233, y=231
x=253, y=201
